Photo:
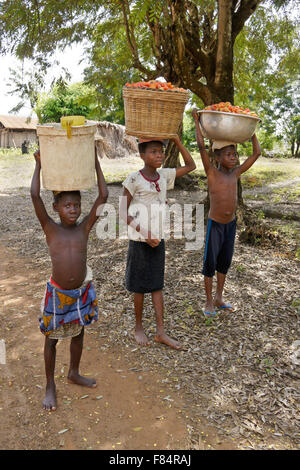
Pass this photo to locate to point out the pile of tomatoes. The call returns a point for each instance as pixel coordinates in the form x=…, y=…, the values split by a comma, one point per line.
x=155, y=85
x=227, y=107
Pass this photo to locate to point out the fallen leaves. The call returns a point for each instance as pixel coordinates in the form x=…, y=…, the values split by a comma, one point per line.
x=239, y=372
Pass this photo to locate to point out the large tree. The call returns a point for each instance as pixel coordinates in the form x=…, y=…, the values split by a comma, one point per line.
x=189, y=42
x=195, y=44
x=192, y=42
x=215, y=48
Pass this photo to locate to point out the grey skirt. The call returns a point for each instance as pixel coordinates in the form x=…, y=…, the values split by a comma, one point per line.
x=145, y=269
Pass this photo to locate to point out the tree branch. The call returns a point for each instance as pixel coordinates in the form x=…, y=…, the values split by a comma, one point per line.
x=245, y=10
x=224, y=55
x=132, y=42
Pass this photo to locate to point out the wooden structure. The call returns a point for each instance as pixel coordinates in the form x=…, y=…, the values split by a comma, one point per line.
x=15, y=130
x=113, y=142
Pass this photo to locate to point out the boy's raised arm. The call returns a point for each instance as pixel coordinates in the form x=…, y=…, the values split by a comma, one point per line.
x=101, y=199
x=250, y=160
x=37, y=201
x=200, y=141
x=188, y=160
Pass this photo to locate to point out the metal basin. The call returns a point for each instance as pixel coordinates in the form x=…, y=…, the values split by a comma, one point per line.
x=218, y=125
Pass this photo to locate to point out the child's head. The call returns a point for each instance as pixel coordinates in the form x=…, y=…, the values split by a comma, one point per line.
x=152, y=152
x=68, y=206
x=226, y=156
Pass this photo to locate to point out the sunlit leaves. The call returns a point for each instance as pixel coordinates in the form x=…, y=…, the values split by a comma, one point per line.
x=65, y=100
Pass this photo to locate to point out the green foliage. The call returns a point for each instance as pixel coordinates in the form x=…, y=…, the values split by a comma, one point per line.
x=143, y=8
x=33, y=28
x=26, y=85
x=240, y=268
x=64, y=100
x=266, y=138
x=286, y=111
x=109, y=70
x=266, y=53
x=188, y=135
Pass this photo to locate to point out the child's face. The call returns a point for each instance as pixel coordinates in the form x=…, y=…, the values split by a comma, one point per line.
x=154, y=154
x=68, y=208
x=228, y=156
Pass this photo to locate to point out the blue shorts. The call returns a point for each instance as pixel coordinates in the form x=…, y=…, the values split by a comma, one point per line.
x=219, y=246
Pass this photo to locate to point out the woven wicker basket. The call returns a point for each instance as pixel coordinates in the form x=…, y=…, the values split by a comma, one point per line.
x=153, y=113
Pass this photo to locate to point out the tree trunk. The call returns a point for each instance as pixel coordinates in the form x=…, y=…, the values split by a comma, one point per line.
x=293, y=148
x=223, y=79
x=172, y=154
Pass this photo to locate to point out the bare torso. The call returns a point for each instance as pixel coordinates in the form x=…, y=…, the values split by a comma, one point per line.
x=68, y=252
x=223, y=195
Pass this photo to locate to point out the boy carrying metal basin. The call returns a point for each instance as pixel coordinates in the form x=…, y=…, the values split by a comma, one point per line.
x=221, y=227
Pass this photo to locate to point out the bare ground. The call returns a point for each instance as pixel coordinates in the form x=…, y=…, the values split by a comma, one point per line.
x=235, y=386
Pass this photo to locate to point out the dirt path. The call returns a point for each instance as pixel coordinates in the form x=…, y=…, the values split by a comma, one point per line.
x=125, y=411
x=234, y=386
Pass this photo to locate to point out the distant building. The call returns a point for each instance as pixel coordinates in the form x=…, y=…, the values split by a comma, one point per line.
x=16, y=131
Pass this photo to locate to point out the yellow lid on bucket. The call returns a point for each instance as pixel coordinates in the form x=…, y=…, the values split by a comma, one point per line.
x=68, y=121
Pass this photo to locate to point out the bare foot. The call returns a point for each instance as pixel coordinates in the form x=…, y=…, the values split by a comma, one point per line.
x=49, y=402
x=165, y=339
x=75, y=378
x=141, y=338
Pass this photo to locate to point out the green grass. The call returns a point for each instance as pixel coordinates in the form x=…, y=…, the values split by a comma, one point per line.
x=258, y=177
x=288, y=194
x=296, y=304
x=13, y=159
x=264, y=171
x=290, y=230
x=9, y=153
x=267, y=171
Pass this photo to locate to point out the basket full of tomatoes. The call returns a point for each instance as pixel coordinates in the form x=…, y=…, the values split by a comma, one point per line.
x=153, y=108
x=223, y=121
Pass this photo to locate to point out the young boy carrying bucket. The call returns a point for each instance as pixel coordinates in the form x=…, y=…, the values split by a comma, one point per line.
x=143, y=206
x=70, y=300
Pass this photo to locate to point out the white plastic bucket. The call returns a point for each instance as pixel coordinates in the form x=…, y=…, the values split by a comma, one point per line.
x=68, y=164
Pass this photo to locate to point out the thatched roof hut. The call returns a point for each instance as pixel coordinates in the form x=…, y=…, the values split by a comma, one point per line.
x=15, y=130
